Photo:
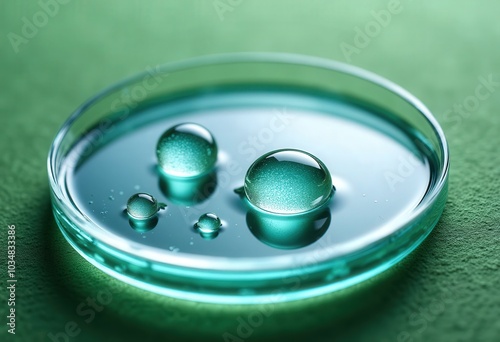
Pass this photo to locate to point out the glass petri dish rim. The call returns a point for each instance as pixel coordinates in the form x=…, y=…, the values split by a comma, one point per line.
x=265, y=264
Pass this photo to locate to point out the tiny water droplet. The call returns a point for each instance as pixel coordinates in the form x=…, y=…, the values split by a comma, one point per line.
x=142, y=206
x=137, y=187
x=191, y=243
x=288, y=181
x=121, y=193
x=91, y=202
x=375, y=201
x=112, y=190
x=186, y=150
x=364, y=195
x=111, y=198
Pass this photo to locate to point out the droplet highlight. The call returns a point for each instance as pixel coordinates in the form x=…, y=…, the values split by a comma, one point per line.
x=186, y=150
x=288, y=182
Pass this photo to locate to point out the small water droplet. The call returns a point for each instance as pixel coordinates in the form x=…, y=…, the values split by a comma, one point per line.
x=364, y=195
x=121, y=193
x=375, y=201
x=142, y=206
x=208, y=225
x=288, y=182
x=191, y=243
x=186, y=150
x=137, y=187
x=111, y=198
x=91, y=202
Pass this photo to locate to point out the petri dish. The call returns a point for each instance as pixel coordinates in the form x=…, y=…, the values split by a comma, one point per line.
x=385, y=154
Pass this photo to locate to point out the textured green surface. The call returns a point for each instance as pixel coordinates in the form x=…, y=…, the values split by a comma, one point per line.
x=449, y=289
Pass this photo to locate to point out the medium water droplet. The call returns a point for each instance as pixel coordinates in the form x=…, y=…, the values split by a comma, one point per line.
x=186, y=150
x=208, y=225
x=142, y=206
x=288, y=182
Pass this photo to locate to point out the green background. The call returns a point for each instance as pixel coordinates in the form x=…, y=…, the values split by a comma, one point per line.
x=448, y=289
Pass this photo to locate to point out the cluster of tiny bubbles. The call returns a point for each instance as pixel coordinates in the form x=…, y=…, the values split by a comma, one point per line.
x=208, y=226
x=186, y=150
x=287, y=182
x=142, y=209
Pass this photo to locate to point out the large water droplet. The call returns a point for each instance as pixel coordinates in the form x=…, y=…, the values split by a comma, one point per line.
x=208, y=225
x=186, y=150
x=143, y=206
x=288, y=182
